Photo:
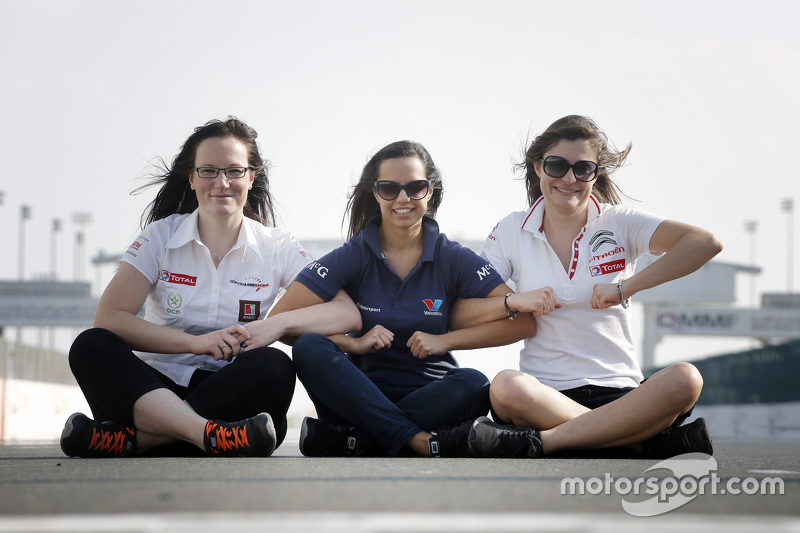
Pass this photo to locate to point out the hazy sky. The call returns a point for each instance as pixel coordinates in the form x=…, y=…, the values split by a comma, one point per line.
x=92, y=91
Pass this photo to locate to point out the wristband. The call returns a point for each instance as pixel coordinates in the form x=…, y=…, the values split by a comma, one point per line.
x=625, y=302
x=509, y=314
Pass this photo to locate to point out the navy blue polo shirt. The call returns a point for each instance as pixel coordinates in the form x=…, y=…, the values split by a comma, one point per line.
x=421, y=302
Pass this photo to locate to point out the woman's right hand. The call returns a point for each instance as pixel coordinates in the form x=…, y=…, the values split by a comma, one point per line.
x=222, y=344
x=375, y=339
x=539, y=302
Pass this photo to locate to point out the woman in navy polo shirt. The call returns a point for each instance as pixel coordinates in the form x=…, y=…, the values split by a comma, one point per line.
x=395, y=382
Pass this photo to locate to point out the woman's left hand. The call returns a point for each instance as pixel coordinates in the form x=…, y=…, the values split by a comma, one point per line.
x=262, y=332
x=605, y=295
x=222, y=344
x=424, y=344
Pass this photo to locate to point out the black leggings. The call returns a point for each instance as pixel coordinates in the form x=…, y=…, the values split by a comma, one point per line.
x=112, y=378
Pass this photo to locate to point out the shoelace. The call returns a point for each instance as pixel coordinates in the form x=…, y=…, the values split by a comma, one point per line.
x=514, y=439
x=227, y=438
x=111, y=441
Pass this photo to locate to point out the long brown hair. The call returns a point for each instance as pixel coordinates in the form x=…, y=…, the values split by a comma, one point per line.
x=573, y=127
x=175, y=195
x=362, y=204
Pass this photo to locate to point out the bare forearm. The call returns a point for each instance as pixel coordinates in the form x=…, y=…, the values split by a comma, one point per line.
x=496, y=333
x=327, y=318
x=690, y=252
x=345, y=343
x=468, y=312
x=142, y=335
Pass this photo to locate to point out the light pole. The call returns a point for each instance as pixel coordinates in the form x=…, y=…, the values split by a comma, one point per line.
x=750, y=226
x=81, y=219
x=24, y=214
x=787, y=206
x=54, y=229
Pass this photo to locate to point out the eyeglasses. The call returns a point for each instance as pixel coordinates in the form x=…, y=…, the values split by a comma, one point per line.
x=557, y=167
x=232, y=173
x=416, y=190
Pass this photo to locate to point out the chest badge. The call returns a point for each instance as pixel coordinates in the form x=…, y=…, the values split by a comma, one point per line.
x=249, y=310
x=174, y=302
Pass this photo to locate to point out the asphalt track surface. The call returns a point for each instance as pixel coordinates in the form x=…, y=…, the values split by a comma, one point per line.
x=41, y=490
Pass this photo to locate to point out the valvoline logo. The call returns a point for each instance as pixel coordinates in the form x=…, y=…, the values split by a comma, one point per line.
x=181, y=279
x=432, y=305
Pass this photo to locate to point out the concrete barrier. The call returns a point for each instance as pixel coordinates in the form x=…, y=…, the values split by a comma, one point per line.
x=34, y=410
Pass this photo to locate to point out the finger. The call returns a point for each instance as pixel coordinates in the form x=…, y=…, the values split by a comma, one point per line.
x=235, y=329
x=231, y=342
x=226, y=350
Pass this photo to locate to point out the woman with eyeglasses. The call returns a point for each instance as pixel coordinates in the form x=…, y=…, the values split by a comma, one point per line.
x=197, y=370
x=394, y=387
x=572, y=259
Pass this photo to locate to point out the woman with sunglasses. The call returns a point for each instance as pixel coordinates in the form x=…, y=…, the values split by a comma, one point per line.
x=394, y=387
x=571, y=257
x=206, y=263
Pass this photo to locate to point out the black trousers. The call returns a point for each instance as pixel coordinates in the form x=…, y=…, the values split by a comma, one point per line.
x=112, y=378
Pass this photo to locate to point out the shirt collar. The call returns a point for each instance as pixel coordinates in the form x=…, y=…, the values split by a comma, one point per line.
x=534, y=222
x=430, y=233
x=187, y=232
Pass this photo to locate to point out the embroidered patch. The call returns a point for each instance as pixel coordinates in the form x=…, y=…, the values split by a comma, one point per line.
x=174, y=302
x=182, y=279
x=433, y=307
x=608, y=268
x=249, y=310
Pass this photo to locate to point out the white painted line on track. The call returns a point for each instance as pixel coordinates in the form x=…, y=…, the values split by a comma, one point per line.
x=396, y=523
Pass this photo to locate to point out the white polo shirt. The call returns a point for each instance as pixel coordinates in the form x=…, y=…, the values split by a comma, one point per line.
x=575, y=345
x=189, y=294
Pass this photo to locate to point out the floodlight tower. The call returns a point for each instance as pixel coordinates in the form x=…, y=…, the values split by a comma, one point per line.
x=750, y=226
x=24, y=214
x=80, y=219
x=787, y=206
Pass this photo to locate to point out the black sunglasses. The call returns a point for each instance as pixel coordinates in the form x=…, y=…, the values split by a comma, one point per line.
x=557, y=167
x=389, y=190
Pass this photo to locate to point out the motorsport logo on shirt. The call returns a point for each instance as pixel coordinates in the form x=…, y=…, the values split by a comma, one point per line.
x=433, y=307
x=255, y=283
x=181, y=279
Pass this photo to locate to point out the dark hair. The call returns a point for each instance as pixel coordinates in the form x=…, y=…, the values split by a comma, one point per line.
x=573, y=127
x=175, y=195
x=362, y=204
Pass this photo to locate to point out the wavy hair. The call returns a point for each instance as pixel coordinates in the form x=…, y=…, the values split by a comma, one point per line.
x=573, y=127
x=175, y=195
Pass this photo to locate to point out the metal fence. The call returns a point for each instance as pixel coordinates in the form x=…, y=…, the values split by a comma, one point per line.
x=34, y=363
x=761, y=375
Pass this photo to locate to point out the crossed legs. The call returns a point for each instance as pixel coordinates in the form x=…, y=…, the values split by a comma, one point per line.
x=122, y=388
x=644, y=412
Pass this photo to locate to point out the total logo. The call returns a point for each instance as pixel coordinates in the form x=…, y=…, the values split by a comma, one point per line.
x=433, y=307
x=608, y=268
x=181, y=279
